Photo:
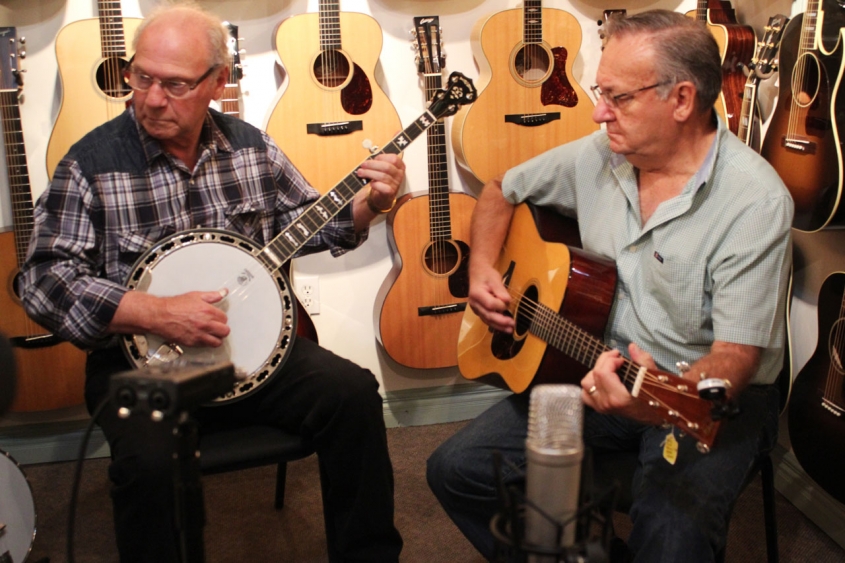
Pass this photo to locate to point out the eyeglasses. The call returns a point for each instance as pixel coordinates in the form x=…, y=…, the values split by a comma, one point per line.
x=613, y=100
x=172, y=88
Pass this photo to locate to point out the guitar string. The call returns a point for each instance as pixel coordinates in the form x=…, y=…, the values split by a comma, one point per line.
x=798, y=77
x=549, y=316
x=834, y=377
x=437, y=181
x=18, y=184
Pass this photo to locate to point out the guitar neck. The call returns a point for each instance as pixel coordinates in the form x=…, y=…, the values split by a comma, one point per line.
x=309, y=223
x=532, y=26
x=440, y=214
x=746, y=117
x=19, y=186
x=329, y=25
x=230, y=102
x=112, y=36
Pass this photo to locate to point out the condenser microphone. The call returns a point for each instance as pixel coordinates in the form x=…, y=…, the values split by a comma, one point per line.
x=8, y=377
x=554, y=449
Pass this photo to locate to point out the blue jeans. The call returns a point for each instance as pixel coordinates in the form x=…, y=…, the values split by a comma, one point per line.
x=680, y=512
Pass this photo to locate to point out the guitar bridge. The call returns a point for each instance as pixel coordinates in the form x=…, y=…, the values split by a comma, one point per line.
x=532, y=119
x=441, y=309
x=334, y=128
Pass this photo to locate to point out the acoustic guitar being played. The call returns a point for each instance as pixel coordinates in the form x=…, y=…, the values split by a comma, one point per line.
x=561, y=298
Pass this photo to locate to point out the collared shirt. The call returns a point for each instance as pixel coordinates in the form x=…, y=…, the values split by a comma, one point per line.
x=117, y=193
x=712, y=263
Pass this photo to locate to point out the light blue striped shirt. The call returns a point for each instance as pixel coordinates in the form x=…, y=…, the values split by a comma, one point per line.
x=712, y=263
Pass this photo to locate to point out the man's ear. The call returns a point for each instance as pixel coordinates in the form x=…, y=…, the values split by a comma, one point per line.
x=685, y=100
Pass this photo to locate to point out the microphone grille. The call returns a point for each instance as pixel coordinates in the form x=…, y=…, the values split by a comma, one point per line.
x=555, y=417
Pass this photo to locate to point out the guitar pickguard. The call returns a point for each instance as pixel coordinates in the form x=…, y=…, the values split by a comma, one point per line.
x=557, y=89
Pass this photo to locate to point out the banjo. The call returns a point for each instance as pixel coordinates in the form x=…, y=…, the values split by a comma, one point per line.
x=259, y=303
x=17, y=511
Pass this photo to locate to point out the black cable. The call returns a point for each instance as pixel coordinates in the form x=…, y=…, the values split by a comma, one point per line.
x=77, y=477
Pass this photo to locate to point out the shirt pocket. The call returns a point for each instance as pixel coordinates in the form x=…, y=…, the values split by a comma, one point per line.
x=133, y=245
x=678, y=287
x=249, y=218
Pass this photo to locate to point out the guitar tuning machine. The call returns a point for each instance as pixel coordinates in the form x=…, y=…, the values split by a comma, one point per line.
x=682, y=367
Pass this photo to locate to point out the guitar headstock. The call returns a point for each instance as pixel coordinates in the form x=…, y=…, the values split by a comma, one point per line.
x=608, y=14
x=459, y=91
x=428, y=44
x=236, y=71
x=764, y=62
x=677, y=401
x=11, y=52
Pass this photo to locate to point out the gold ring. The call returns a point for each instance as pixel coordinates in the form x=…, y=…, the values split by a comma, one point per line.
x=591, y=390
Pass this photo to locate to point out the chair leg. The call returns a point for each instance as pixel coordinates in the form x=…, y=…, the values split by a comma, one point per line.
x=281, y=478
x=767, y=476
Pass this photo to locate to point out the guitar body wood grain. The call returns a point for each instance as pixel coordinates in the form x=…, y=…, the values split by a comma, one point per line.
x=85, y=105
x=51, y=377
x=487, y=145
x=325, y=159
x=415, y=281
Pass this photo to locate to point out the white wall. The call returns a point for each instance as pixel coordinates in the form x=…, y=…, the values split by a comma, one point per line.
x=348, y=285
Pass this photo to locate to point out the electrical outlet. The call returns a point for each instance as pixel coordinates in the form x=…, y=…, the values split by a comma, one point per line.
x=308, y=292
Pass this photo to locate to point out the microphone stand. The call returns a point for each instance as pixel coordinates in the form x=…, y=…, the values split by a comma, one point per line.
x=188, y=501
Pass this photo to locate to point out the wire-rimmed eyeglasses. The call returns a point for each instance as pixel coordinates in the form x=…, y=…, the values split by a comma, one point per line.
x=613, y=100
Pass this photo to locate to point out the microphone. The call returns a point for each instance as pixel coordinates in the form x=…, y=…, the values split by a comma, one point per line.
x=8, y=379
x=554, y=449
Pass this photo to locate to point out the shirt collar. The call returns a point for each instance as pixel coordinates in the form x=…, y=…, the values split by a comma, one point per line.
x=211, y=138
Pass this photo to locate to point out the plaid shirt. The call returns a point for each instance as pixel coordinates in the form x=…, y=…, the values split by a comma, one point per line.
x=117, y=193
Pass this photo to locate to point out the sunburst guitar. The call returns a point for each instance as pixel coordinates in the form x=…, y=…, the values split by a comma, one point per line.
x=92, y=55
x=802, y=141
x=561, y=297
x=817, y=407
x=529, y=100
x=51, y=373
x=332, y=105
x=425, y=293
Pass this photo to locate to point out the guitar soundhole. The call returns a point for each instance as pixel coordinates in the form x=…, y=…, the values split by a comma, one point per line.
x=332, y=69
x=442, y=257
x=805, y=80
x=526, y=310
x=836, y=346
x=110, y=78
x=532, y=63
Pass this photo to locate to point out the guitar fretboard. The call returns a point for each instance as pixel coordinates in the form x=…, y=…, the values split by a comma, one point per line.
x=308, y=224
x=440, y=216
x=329, y=25
x=112, y=35
x=19, y=186
x=808, y=30
x=532, y=22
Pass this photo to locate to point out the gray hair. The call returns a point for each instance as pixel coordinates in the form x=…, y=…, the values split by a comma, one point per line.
x=684, y=50
x=216, y=33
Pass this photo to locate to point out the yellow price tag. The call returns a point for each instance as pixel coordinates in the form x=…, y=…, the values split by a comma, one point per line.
x=670, y=448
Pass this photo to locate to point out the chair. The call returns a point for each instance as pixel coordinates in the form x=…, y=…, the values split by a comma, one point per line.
x=251, y=446
x=620, y=467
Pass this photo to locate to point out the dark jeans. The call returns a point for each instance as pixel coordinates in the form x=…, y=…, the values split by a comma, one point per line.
x=680, y=512
x=329, y=401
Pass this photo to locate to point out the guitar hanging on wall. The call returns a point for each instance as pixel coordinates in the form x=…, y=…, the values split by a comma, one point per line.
x=421, y=302
x=51, y=373
x=802, y=141
x=529, y=100
x=332, y=103
x=561, y=297
x=817, y=408
x=762, y=66
x=736, y=47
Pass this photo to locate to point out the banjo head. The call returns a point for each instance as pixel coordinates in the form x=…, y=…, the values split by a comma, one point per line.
x=259, y=305
x=17, y=510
